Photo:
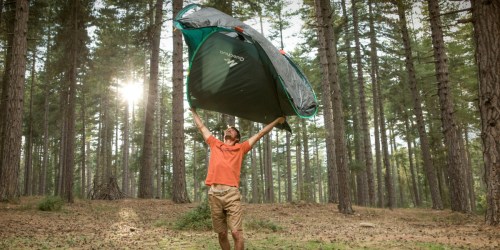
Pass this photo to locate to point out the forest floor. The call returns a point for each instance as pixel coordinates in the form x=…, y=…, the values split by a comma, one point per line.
x=149, y=224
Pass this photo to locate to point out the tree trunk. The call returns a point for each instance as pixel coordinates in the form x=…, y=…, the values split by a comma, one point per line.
x=452, y=137
x=159, y=136
x=385, y=151
x=178, y=161
x=429, y=169
x=262, y=189
x=1, y=19
x=470, y=174
x=326, y=99
x=328, y=58
x=98, y=160
x=278, y=164
x=298, y=167
x=69, y=136
x=196, y=183
x=356, y=139
x=125, y=153
x=28, y=161
x=413, y=177
x=255, y=174
x=12, y=101
x=394, y=169
x=268, y=166
x=42, y=177
x=308, y=182
x=288, y=169
x=364, y=116
x=146, y=170
x=487, y=36
x=376, y=100
x=82, y=147
x=42, y=182
x=320, y=170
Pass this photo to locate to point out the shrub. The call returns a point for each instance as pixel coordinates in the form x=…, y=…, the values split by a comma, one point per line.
x=51, y=203
x=263, y=225
x=481, y=204
x=196, y=219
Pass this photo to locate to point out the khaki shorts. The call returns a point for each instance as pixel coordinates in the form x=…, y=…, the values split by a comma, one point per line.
x=226, y=210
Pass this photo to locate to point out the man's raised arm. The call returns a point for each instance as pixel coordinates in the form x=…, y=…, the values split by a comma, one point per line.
x=265, y=130
x=199, y=124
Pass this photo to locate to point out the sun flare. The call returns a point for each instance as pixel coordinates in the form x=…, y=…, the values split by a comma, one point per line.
x=131, y=92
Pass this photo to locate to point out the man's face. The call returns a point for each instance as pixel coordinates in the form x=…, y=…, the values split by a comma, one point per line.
x=231, y=134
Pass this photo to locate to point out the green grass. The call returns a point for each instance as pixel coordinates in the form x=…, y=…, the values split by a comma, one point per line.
x=263, y=225
x=160, y=223
x=282, y=242
x=433, y=246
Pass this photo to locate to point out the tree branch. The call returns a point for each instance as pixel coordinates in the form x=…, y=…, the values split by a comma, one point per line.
x=455, y=11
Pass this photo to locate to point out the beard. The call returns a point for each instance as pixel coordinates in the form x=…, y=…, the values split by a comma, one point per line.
x=229, y=136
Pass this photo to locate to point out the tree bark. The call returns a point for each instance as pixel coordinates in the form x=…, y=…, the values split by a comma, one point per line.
x=430, y=171
x=326, y=99
x=487, y=36
x=75, y=28
x=328, y=58
x=308, y=182
x=288, y=169
x=146, y=171
x=28, y=161
x=269, y=170
x=125, y=152
x=12, y=101
x=82, y=147
x=319, y=169
x=413, y=177
x=452, y=137
x=42, y=177
x=298, y=168
x=353, y=108
x=376, y=100
x=178, y=161
x=368, y=163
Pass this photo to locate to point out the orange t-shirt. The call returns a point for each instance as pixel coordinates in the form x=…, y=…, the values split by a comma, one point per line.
x=225, y=162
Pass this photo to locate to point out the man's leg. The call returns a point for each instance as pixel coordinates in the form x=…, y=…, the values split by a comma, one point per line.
x=224, y=241
x=238, y=239
x=235, y=217
x=218, y=215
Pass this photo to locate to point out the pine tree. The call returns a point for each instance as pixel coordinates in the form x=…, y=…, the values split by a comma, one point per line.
x=179, y=172
x=327, y=52
x=487, y=36
x=11, y=105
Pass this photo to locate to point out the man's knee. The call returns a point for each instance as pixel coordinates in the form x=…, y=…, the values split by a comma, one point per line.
x=237, y=234
x=222, y=235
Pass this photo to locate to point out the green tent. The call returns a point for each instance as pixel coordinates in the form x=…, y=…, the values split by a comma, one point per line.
x=235, y=70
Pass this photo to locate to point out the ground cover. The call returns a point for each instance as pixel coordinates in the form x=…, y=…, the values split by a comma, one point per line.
x=150, y=224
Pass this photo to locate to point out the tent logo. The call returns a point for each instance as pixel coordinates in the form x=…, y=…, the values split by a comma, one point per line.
x=231, y=59
x=230, y=62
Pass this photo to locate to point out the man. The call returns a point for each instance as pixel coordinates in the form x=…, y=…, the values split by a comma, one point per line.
x=223, y=177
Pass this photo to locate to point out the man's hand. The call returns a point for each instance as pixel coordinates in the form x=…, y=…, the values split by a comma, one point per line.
x=281, y=120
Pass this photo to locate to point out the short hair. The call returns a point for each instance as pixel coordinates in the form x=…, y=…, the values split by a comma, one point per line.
x=238, y=135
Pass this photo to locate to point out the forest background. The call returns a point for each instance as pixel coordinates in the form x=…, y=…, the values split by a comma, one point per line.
x=93, y=104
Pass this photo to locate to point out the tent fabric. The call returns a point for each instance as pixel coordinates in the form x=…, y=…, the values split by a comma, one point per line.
x=237, y=71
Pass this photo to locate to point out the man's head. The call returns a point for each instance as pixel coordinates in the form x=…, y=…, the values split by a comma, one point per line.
x=232, y=133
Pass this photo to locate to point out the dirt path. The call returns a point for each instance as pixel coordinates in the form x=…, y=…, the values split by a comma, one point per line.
x=149, y=224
